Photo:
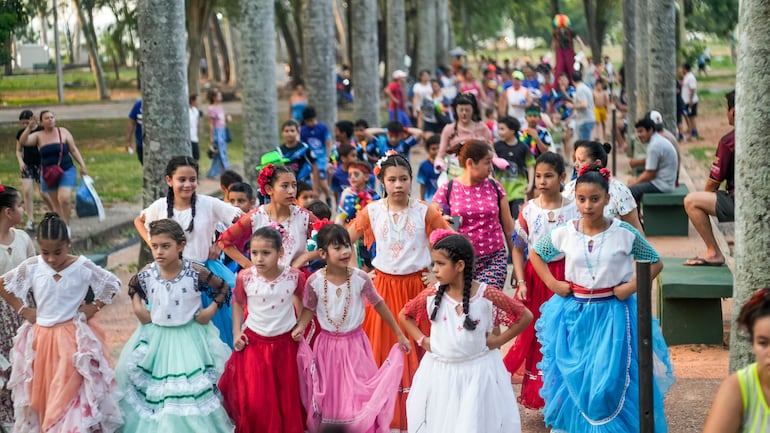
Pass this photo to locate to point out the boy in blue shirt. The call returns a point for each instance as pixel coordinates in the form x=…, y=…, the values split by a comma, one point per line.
x=427, y=176
x=301, y=160
x=393, y=137
x=319, y=139
x=340, y=179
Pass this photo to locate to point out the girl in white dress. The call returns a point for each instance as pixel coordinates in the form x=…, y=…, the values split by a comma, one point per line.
x=15, y=246
x=170, y=366
x=400, y=227
x=61, y=380
x=199, y=216
x=462, y=385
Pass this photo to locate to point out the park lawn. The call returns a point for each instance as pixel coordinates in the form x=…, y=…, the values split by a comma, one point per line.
x=79, y=86
x=117, y=175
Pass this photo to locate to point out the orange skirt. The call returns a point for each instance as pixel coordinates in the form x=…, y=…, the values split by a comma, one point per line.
x=396, y=291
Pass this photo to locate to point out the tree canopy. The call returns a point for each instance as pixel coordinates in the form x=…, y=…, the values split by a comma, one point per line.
x=13, y=15
x=711, y=16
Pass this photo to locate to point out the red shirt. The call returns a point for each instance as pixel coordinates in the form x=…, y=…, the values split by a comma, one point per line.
x=398, y=94
x=723, y=167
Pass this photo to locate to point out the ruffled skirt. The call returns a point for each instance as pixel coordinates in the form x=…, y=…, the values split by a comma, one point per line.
x=340, y=383
x=526, y=348
x=260, y=386
x=472, y=395
x=170, y=374
x=590, y=373
x=61, y=380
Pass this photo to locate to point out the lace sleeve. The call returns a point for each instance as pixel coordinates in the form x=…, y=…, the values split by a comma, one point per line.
x=299, y=291
x=310, y=299
x=507, y=310
x=104, y=284
x=18, y=281
x=521, y=230
x=237, y=234
x=546, y=249
x=417, y=308
x=239, y=292
x=641, y=249
x=216, y=288
x=135, y=286
x=369, y=292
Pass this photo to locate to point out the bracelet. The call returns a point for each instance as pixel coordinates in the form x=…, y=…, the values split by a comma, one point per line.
x=21, y=309
x=520, y=282
x=420, y=340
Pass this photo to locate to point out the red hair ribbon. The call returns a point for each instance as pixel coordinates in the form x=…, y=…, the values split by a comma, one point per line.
x=318, y=225
x=2, y=188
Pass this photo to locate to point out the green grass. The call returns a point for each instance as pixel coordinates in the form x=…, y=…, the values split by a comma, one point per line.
x=118, y=175
x=704, y=154
x=79, y=86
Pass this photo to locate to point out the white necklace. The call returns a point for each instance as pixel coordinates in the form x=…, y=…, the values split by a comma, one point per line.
x=397, y=226
x=593, y=268
x=553, y=217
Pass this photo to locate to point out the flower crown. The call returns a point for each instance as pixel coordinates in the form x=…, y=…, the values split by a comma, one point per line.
x=265, y=176
x=604, y=172
x=312, y=244
x=437, y=235
x=378, y=165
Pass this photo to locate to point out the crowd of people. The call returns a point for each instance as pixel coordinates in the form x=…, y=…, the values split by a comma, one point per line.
x=336, y=298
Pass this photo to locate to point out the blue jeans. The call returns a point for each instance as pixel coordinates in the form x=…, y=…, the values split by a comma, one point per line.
x=585, y=129
x=401, y=116
x=220, y=162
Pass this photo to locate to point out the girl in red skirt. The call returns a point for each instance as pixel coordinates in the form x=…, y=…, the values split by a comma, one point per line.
x=400, y=226
x=537, y=218
x=260, y=384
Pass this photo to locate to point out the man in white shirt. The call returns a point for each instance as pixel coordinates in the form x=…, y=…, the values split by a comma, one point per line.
x=690, y=98
x=515, y=99
x=584, y=107
x=195, y=115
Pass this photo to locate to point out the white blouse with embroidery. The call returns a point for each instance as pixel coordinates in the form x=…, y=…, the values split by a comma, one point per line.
x=339, y=298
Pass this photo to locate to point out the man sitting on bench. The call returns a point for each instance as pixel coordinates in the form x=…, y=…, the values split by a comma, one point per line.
x=713, y=201
x=660, y=163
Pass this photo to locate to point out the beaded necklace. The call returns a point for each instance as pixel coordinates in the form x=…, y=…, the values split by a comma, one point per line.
x=337, y=323
x=589, y=247
x=553, y=217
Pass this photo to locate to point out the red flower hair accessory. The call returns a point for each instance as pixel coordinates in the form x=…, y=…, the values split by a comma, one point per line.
x=312, y=243
x=265, y=176
x=2, y=188
x=318, y=225
x=437, y=235
x=378, y=165
x=605, y=172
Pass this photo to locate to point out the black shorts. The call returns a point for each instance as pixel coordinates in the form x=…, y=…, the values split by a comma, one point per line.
x=725, y=207
x=432, y=127
x=691, y=110
x=31, y=172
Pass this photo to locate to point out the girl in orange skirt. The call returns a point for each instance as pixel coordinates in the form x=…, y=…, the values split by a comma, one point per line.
x=400, y=226
x=61, y=380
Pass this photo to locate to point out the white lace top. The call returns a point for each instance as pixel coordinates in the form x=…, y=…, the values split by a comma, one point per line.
x=58, y=301
x=13, y=254
x=271, y=310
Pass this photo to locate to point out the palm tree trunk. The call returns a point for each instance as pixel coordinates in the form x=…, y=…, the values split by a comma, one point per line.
x=396, y=36
x=426, y=31
x=365, y=59
x=662, y=60
x=85, y=17
x=319, y=64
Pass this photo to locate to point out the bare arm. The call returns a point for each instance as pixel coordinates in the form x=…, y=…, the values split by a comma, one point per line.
x=236, y=255
x=517, y=279
x=497, y=341
x=304, y=319
x=561, y=288
x=75, y=152
x=130, y=127
x=623, y=291
x=727, y=410
x=140, y=309
x=239, y=338
x=413, y=331
x=646, y=176
x=139, y=224
x=29, y=314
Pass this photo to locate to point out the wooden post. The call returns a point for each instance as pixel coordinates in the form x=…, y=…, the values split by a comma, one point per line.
x=614, y=141
x=644, y=327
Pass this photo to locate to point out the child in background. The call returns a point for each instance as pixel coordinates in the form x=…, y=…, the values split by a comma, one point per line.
x=322, y=212
x=61, y=380
x=560, y=135
x=393, y=137
x=427, y=176
x=461, y=384
x=16, y=246
x=601, y=102
x=347, y=154
x=317, y=136
x=242, y=196
x=400, y=226
x=339, y=380
x=490, y=114
x=357, y=195
x=537, y=218
x=301, y=159
x=170, y=366
x=199, y=216
x=260, y=384
x=305, y=194
x=517, y=178
x=228, y=178
x=532, y=134
x=364, y=141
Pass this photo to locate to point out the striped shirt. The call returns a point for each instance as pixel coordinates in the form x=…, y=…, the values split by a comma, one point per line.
x=756, y=414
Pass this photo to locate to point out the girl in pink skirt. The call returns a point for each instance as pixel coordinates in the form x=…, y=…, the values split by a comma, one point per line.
x=339, y=380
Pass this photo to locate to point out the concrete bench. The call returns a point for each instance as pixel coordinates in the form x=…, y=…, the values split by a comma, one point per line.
x=41, y=67
x=664, y=213
x=689, y=302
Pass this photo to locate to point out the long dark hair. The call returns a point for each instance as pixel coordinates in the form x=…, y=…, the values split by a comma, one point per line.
x=173, y=164
x=457, y=247
x=8, y=197
x=397, y=160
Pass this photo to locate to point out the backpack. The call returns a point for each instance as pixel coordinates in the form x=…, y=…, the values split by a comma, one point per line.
x=497, y=192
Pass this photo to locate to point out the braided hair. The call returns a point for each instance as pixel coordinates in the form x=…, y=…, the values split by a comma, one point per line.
x=457, y=247
x=396, y=160
x=53, y=228
x=173, y=164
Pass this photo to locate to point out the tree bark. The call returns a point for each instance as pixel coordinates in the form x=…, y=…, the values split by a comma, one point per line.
x=223, y=50
x=396, y=36
x=365, y=59
x=164, y=90
x=554, y=7
x=342, y=34
x=319, y=64
x=197, y=13
x=42, y=12
x=259, y=93
x=85, y=17
x=642, y=52
x=662, y=60
x=426, y=31
x=752, y=156
x=283, y=17
x=629, y=59
x=596, y=18
x=213, y=56
x=443, y=25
